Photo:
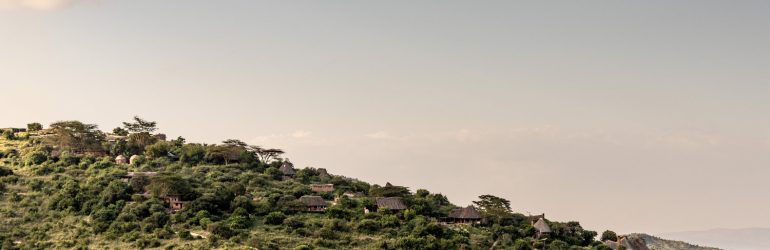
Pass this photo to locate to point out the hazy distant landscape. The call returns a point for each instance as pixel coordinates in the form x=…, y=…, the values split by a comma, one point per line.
x=733, y=239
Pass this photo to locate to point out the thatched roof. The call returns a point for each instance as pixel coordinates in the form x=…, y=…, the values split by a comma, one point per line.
x=315, y=201
x=535, y=218
x=392, y=203
x=542, y=226
x=121, y=158
x=287, y=168
x=465, y=213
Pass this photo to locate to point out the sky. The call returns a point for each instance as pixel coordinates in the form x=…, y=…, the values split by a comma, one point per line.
x=635, y=116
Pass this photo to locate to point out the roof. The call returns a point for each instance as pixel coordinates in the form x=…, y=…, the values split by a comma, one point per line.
x=535, y=218
x=312, y=200
x=287, y=168
x=468, y=212
x=392, y=203
x=120, y=157
x=542, y=226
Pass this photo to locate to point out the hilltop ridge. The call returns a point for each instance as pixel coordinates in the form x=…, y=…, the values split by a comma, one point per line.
x=72, y=185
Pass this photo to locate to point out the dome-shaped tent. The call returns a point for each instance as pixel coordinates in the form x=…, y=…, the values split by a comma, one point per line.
x=120, y=159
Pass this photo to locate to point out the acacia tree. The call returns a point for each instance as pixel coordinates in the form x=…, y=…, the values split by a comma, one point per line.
x=231, y=150
x=169, y=184
x=140, y=125
x=609, y=235
x=493, y=207
x=120, y=131
x=76, y=136
x=266, y=155
x=140, y=135
x=35, y=126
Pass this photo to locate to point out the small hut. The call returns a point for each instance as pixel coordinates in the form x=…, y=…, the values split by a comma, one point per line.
x=287, y=168
x=120, y=159
x=542, y=228
x=535, y=218
x=313, y=203
x=175, y=202
x=465, y=215
x=322, y=188
x=133, y=159
x=387, y=203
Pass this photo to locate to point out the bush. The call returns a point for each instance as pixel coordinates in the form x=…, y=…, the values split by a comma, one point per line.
x=368, y=226
x=303, y=247
x=35, y=126
x=609, y=235
x=274, y=218
x=221, y=230
x=522, y=245
x=35, y=157
x=185, y=235
x=5, y=171
x=293, y=223
x=558, y=245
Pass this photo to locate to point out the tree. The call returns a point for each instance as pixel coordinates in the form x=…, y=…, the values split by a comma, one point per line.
x=140, y=126
x=493, y=207
x=266, y=155
x=169, y=184
x=274, y=218
x=609, y=235
x=140, y=135
x=159, y=149
x=8, y=134
x=76, y=136
x=389, y=191
x=232, y=150
x=35, y=126
x=192, y=153
x=120, y=131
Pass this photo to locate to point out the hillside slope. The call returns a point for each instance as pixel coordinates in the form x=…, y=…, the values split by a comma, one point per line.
x=73, y=186
x=656, y=243
x=733, y=239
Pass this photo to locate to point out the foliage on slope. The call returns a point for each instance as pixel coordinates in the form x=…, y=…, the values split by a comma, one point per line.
x=64, y=190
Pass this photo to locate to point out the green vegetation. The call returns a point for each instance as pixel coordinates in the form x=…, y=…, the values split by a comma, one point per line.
x=61, y=187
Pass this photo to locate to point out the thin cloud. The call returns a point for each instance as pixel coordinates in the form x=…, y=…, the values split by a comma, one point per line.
x=300, y=134
x=39, y=4
x=379, y=135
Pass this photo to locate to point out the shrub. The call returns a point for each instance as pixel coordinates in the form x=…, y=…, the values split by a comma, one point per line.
x=558, y=245
x=274, y=218
x=5, y=171
x=368, y=226
x=35, y=157
x=293, y=222
x=185, y=235
x=221, y=230
x=609, y=235
x=303, y=247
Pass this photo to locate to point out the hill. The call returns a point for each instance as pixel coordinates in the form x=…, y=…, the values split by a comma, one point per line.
x=73, y=186
x=656, y=243
x=734, y=239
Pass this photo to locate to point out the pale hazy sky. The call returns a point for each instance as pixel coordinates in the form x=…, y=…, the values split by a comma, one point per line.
x=646, y=116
